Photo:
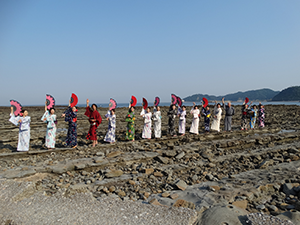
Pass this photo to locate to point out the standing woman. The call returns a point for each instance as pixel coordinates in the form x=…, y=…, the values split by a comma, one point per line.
x=95, y=120
x=217, y=117
x=261, y=115
x=146, y=114
x=182, y=120
x=157, y=121
x=130, y=131
x=172, y=115
x=50, y=118
x=70, y=116
x=24, y=129
x=253, y=116
x=111, y=133
x=195, y=123
x=206, y=114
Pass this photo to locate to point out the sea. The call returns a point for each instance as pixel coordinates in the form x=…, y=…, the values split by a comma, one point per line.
x=120, y=105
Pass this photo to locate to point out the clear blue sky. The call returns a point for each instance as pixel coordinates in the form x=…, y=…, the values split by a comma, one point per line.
x=101, y=49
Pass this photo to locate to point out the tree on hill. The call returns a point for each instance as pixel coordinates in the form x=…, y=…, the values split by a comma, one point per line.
x=288, y=94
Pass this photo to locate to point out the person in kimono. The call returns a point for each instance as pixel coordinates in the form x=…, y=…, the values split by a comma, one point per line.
x=229, y=112
x=130, y=118
x=206, y=113
x=95, y=120
x=50, y=118
x=111, y=133
x=182, y=115
x=23, y=122
x=172, y=115
x=217, y=117
x=261, y=115
x=147, y=115
x=253, y=116
x=157, y=122
x=70, y=116
x=245, y=116
x=195, y=123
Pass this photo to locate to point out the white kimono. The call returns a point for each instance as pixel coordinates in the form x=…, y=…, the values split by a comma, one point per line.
x=147, y=124
x=157, y=123
x=195, y=123
x=182, y=120
x=24, y=131
x=51, y=129
x=216, y=120
x=111, y=133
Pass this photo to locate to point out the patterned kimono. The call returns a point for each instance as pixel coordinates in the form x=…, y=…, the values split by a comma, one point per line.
x=157, y=123
x=111, y=133
x=253, y=116
x=147, y=124
x=195, y=122
x=92, y=134
x=182, y=120
x=172, y=115
x=24, y=131
x=216, y=120
x=206, y=114
x=130, y=132
x=261, y=117
x=245, y=115
x=71, y=117
x=51, y=129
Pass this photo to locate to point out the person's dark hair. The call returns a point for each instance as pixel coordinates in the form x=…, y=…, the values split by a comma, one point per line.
x=113, y=110
x=254, y=106
x=196, y=106
x=131, y=108
x=23, y=110
x=149, y=108
x=183, y=106
x=51, y=109
x=95, y=106
x=219, y=104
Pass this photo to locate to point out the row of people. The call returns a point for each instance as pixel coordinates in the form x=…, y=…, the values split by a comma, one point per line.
x=95, y=119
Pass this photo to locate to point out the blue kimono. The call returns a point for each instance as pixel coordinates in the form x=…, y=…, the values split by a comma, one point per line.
x=71, y=117
x=206, y=114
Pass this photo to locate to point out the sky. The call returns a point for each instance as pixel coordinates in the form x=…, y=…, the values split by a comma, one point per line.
x=102, y=49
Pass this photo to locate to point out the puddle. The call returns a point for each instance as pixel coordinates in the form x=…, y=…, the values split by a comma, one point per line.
x=285, y=131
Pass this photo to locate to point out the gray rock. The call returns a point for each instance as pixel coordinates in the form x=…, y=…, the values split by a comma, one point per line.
x=287, y=188
x=180, y=155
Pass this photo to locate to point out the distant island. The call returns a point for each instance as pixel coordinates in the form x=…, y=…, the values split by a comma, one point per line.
x=288, y=94
x=264, y=94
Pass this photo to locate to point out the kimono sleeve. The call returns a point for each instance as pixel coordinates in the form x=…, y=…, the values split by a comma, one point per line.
x=14, y=120
x=46, y=114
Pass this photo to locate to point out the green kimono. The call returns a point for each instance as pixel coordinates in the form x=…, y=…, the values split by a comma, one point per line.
x=130, y=132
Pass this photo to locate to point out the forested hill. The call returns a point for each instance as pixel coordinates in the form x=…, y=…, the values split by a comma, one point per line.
x=254, y=95
x=289, y=94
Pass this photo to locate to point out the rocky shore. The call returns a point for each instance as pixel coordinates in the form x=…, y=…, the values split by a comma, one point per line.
x=239, y=177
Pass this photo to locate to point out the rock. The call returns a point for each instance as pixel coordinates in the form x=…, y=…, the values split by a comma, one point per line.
x=132, y=182
x=158, y=174
x=165, y=194
x=209, y=177
x=260, y=207
x=170, y=154
x=184, y=204
x=272, y=208
x=122, y=194
x=287, y=188
x=241, y=204
x=180, y=184
x=147, y=194
x=114, y=154
x=98, y=159
x=229, y=215
x=114, y=173
x=265, y=164
x=180, y=155
x=148, y=171
x=174, y=196
x=162, y=159
x=155, y=202
x=112, y=188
